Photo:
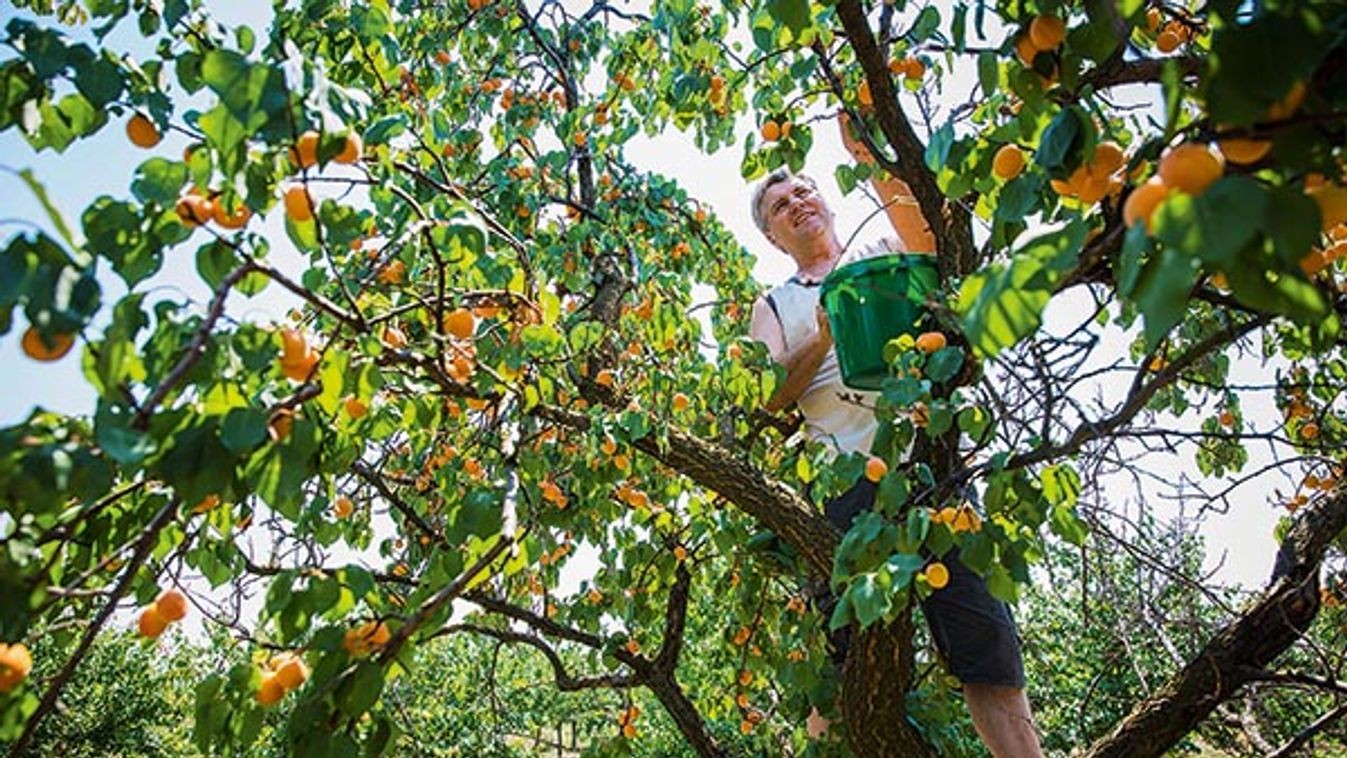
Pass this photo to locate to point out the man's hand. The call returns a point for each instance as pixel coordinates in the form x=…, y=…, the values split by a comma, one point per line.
x=825, y=327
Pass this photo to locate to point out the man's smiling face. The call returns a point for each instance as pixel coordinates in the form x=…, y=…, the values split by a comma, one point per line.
x=795, y=213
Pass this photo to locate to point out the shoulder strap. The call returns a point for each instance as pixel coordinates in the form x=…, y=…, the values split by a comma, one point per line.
x=771, y=302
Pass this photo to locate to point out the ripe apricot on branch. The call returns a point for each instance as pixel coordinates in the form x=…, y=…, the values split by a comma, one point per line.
x=1242, y=151
x=1190, y=168
x=142, y=132
x=15, y=664
x=270, y=691
x=292, y=672
x=771, y=130
x=194, y=210
x=937, y=575
x=929, y=342
x=1332, y=202
x=1288, y=105
x=863, y=97
x=1025, y=50
x=151, y=623
x=298, y=204
x=459, y=323
x=230, y=220
x=1008, y=162
x=46, y=348
x=305, y=151
x=1108, y=158
x=342, y=507
x=1143, y=201
x=352, y=150
x=1047, y=32
x=1168, y=41
x=875, y=468
x=172, y=605
x=366, y=638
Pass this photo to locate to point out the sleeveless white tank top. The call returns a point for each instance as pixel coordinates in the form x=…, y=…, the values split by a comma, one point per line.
x=834, y=413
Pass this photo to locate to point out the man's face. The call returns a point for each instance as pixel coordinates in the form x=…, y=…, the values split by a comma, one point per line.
x=795, y=214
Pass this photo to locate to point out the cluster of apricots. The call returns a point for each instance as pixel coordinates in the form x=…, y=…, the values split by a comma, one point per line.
x=169, y=607
x=1097, y=178
x=552, y=493
x=1044, y=34
x=298, y=357
x=15, y=665
x=1170, y=34
x=910, y=67
x=282, y=674
x=1189, y=168
x=366, y=638
x=773, y=130
x=961, y=519
x=299, y=205
x=197, y=208
x=626, y=720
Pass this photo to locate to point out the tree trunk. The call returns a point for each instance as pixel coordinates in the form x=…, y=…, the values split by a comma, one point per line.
x=875, y=681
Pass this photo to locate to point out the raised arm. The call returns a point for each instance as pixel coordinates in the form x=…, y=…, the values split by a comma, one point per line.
x=899, y=202
x=801, y=362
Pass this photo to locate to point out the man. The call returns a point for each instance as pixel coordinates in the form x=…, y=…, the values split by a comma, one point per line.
x=973, y=630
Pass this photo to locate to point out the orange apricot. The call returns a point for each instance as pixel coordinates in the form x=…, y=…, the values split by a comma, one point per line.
x=142, y=132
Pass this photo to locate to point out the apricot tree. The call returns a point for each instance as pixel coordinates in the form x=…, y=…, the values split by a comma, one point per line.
x=506, y=355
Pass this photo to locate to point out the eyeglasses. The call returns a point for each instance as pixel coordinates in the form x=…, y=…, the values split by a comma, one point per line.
x=801, y=192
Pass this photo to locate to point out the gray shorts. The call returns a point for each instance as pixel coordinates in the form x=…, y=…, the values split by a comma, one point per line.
x=974, y=632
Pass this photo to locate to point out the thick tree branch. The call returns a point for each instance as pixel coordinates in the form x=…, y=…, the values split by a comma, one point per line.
x=772, y=503
x=143, y=547
x=950, y=223
x=1278, y=617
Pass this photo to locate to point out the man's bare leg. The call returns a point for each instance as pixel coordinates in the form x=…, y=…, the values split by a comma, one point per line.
x=1003, y=720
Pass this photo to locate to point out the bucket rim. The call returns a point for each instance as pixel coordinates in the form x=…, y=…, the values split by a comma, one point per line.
x=878, y=263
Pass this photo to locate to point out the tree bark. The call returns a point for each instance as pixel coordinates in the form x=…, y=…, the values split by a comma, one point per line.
x=875, y=681
x=951, y=223
x=1235, y=655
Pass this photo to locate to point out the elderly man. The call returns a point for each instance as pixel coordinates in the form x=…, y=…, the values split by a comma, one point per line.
x=973, y=631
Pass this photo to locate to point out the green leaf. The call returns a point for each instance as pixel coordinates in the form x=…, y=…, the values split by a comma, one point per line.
x=159, y=181
x=868, y=599
x=243, y=429
x=988, y=72
x=1162, y=292
x=1004, y=303
x=792, y=14
x=99, y=80
x=1062, y=140
x=927, y=24
x=196, y=463
x=361, y=689
x=1061, y=484
x=944, y=364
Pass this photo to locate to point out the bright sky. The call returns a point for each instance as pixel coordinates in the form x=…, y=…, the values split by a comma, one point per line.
x=105, y=163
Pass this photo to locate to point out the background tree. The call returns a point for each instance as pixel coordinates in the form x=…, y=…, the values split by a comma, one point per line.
x=498, y=366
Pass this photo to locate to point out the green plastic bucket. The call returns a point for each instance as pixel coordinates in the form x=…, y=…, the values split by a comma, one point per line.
x=871, y=301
